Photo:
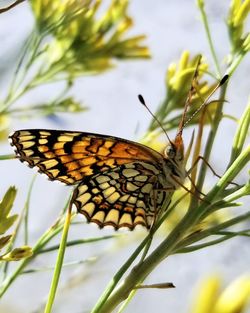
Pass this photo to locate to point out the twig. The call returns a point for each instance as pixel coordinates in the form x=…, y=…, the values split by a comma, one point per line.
x=11, y=6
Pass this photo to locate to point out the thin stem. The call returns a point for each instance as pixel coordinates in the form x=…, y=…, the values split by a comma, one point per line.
x=8, y=281
x=195, y=157
x=76, y=242
x=27, y=46
x=26, y=212
x=119, y=274
x=210, y=42
x=43, y=240
x=11, y=6
x=17, y=228
x=16, y=79
x=211, y=137
x=113, y=283
x=140, y=272
x=241, y=134
x=226, y=235
x=59, y=261
x=236, y=61
x=7, y=157
x=212, y=231
x=170, y=244
x=204, y=245
x=49, y=268
x=128, y=300
x=17, y=96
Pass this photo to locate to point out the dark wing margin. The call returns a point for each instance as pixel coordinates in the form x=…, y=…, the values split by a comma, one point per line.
x=70, y=156
x=123, y=197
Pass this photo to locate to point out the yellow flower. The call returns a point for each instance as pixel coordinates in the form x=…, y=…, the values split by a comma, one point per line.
x=178, y=80
x=80, y=41
x=207, y=295
x=151, y=140
x=233, y=299
x=238, y=13
x=4, y=127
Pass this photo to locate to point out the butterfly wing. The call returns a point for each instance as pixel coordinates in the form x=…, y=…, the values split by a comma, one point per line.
x=70, y=156
x=127, y=196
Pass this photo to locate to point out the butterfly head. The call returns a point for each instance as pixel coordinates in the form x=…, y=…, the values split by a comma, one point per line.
x=174, y=155
x=175, y=150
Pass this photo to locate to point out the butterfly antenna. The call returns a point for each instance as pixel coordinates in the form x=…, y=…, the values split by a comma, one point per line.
x=205, y=102
x=141, y=99
x=189, y=98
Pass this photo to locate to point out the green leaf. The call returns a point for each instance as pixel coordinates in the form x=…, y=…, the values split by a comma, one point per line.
x=6, y=223
x=241, y=134
x=6, y=204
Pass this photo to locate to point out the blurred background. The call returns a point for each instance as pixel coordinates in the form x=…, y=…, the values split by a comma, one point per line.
x=113, y=109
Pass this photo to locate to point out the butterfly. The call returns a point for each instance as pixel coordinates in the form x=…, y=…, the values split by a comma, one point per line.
x=118, y=182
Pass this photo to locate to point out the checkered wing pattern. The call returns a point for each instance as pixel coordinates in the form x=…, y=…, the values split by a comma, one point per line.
x=118, y=180
x=70, y=156
x=127, y=196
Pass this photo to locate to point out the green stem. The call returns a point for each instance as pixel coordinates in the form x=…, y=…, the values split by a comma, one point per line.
x=204, y=245
x=26, y=212
x=241, y=134
x=7, y=157
x=142, y=270
x=236, y=61
x=211, y=137
x=15, y=97
x=112, y=284
x=27, y=46
x=169, y=245
x=43, y=240
x=77, y=242
x=211, y=231
x=224, y=236
x=17, y=228
x=119, y=274
x=210, y=42
x=59, y=261
x=8, y=281
x=49, y=268
x=128, y=300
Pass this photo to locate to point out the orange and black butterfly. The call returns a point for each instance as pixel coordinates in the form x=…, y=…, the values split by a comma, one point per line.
x=118, y=182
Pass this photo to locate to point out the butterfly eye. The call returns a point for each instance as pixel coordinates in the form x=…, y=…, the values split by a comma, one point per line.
x=170, y=151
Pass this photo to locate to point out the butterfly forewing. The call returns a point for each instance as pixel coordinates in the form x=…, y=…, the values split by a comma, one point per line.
x=70, y=156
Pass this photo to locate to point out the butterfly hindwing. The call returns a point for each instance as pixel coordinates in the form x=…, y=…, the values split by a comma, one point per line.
x=127, y=196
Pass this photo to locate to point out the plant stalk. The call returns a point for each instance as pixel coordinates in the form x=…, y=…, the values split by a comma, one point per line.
x=59, y=261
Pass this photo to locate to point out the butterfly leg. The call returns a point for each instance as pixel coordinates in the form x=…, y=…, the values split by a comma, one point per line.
x=194, y=186
x=201, y=158
x=172, y=189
